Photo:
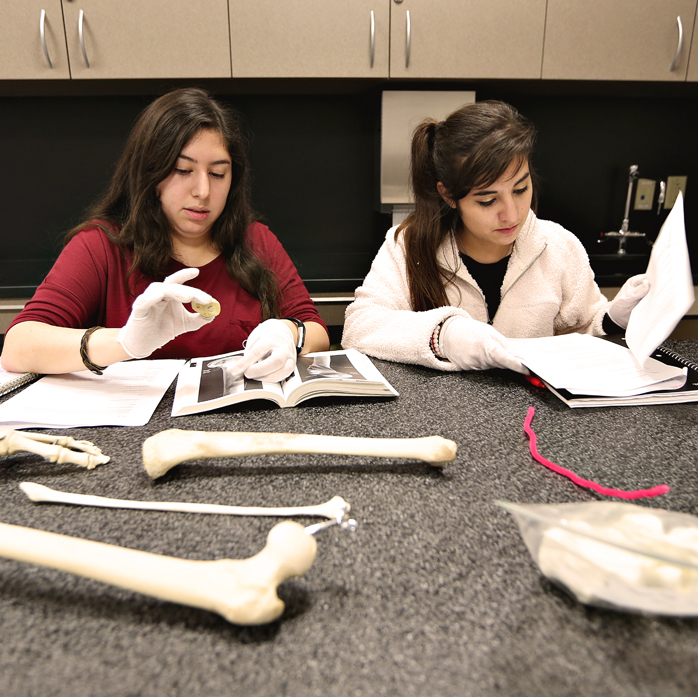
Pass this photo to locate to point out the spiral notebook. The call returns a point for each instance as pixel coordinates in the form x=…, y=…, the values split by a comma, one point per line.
x=12, y=381
x=687, y=393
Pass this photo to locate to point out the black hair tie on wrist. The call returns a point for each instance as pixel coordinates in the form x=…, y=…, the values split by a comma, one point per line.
x=92, y=367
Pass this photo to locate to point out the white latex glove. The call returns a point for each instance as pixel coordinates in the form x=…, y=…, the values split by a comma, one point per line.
x=633, y=290
x=158, y=314
x=270, y=352
x=474, y=345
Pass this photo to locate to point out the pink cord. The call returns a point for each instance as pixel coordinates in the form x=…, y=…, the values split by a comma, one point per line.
x=619, y=493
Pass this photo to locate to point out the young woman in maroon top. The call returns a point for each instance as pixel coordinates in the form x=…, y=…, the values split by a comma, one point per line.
x=175, y=227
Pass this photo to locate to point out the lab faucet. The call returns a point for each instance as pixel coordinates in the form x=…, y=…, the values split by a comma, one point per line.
x=623, y=233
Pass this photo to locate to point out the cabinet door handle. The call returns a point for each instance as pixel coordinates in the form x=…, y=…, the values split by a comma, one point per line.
x=81, y=34
x=679, y=45
x=42, y=32
x=408, y=40
x=373, y=37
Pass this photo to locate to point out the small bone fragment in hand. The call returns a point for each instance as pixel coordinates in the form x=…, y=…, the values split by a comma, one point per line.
x=241, y=590
x=168, y=448
x=60, y=449
x=211, y=309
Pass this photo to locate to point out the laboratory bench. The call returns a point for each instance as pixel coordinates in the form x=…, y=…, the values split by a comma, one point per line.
x=434, y=595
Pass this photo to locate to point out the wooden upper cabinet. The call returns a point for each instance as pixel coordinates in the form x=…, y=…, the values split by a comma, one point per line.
x=473, y=39
x=649, y=40
x=310, y=38
x=692, y=75
x=618, y=39
x=147, y=38
x=24, y=53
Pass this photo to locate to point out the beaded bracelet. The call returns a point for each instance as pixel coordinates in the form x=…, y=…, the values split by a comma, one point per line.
x=92, y=367
x=434, y=341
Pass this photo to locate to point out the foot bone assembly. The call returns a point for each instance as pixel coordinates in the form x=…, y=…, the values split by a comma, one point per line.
x=241, y=590
x=168, y=448
x=336, y=509
x=60, y=449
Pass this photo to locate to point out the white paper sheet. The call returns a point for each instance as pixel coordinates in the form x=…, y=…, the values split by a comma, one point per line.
x=671, y=289
x=589, y=365
x=126, y=395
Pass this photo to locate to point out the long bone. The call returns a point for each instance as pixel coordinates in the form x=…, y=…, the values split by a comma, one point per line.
x=241, y=590
x=60, y=449
x=168, y=448
x=334, y=509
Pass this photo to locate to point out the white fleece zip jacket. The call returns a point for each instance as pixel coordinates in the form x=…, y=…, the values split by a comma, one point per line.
x=548, y=289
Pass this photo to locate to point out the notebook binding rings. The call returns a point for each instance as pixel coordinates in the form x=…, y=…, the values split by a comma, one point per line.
x=678, y=358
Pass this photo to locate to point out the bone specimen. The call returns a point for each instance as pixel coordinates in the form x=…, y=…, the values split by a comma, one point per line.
x=334, y=509
x=321, y=367
x=241, y=590
x=60, y=449
x=211, y=309
x=232, y=375
x=168, y=448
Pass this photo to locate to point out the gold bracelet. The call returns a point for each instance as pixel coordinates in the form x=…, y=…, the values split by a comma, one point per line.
x=92, y=367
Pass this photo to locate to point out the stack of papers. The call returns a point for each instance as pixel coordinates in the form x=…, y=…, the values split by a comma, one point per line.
x=588, y=365
x=583, y=370
x=126, y=394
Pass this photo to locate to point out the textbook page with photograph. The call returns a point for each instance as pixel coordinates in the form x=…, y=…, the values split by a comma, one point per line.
x=209, y=383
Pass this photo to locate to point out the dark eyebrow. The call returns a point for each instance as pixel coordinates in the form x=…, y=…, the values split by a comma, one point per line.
x=217, y=162
x=489, y=193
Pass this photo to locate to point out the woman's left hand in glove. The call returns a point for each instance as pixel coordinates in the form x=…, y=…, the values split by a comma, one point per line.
x=633, y=290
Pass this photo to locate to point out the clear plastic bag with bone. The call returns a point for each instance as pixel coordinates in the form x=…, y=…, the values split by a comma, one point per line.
x=615, y=555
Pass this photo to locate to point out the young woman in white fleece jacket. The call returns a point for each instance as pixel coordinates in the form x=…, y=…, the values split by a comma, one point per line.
x=473, y=264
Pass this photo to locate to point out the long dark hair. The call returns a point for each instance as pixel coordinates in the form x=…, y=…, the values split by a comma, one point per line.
x=473, y=147
x=130, y=211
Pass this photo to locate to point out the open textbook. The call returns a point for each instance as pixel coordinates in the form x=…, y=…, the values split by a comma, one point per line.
x=209, y=383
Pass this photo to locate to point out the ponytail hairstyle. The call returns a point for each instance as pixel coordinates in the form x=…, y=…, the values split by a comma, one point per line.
x=472, y=148
x=131, y=214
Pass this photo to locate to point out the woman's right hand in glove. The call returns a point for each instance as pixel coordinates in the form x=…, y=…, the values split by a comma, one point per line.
x=474, y=345
x=158, y=314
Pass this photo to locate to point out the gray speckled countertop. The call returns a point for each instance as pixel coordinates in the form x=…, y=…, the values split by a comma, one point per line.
x=434, y=595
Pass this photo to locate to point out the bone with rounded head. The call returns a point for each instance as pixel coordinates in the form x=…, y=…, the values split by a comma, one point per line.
x=166, y=449
x=334, y=509
x=60, y=449
x=241, y=590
